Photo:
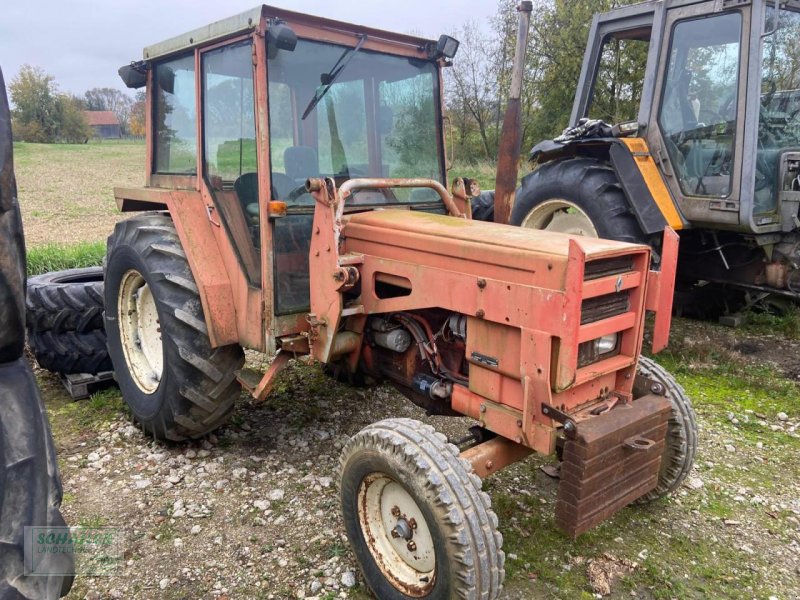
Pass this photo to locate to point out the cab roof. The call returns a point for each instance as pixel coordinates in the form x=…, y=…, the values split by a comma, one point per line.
x=251, y=20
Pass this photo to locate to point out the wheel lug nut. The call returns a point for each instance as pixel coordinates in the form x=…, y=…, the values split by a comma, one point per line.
x=395, y=534
x=412, y=545
x=395, y=511
x=412, y=523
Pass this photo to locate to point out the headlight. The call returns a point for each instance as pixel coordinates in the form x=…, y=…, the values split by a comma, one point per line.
x=607, y=343
x=598, y=349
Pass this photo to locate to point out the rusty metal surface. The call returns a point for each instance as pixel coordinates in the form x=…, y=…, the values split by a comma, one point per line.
x=489, y=457
x=511, y=136
x=263, y=387
x=661, y=289
x=614, y=459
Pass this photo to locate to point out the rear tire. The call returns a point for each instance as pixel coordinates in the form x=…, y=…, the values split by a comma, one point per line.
x=681, y=442
x=588, y=188
x=176, y=385
x=403, y=484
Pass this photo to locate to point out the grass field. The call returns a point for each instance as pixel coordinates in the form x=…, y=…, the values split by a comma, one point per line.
x=732, y=531
x=66, y=191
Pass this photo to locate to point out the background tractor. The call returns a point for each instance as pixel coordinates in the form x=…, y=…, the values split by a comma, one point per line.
x=295, y=180
x=705, y=101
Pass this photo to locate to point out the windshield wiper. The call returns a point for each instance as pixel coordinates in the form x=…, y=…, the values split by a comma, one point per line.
x=328, y=79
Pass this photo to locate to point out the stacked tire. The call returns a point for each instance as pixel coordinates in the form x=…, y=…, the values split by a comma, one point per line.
x=65, y=321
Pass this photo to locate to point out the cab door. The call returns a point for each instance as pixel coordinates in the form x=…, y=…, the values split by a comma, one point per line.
x=698, y=112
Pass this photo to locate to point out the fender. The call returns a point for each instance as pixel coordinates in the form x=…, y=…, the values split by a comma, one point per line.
x=188, y=213
x=647, y=195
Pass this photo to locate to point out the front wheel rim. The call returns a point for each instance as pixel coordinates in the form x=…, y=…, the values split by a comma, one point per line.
x=140, y=332
x=397, y=535
x=561, y=216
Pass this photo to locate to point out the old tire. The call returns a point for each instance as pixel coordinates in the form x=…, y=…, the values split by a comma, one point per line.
x=401, y=475
x=580, y=196
x=71, y=352
x=70, y=300
x=176, y=385
x=30, y=487
x=681, y=443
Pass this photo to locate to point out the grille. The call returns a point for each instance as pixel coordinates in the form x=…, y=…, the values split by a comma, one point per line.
x=603, y=307
x=607, y=266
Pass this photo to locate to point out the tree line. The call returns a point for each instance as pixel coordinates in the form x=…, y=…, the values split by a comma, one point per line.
x=43, y=114
x=476, y=86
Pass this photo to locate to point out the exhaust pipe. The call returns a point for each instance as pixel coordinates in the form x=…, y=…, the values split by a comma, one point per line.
x=511, y=136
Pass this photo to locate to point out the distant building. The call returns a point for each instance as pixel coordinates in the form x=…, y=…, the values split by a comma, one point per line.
x=104, y=123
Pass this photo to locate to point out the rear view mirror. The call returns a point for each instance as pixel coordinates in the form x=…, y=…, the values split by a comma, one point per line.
x=280, y=37
x=134, y=75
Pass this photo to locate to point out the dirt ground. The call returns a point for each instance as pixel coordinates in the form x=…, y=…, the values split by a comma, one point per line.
x=252, y=511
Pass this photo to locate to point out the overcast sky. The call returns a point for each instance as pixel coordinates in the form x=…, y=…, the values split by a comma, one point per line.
x=83, y=42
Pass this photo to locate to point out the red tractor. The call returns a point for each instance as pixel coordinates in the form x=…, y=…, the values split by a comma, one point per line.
x=295, y=183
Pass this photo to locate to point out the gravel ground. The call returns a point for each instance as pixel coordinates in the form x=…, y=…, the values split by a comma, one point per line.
x=252, y=511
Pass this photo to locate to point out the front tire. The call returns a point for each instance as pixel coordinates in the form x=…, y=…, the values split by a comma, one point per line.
x=681, y=442
x=579, y=196
x=176, y=385
x=416, y=517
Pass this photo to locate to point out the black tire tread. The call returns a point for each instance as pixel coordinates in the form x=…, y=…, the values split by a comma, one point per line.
x=480, y=571
x=592, y=185
x=208, y=388
x=55, y=301
x=71, y=352
x=681, y=443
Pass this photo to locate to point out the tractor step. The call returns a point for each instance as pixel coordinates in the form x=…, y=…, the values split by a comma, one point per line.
x=614, y=459
x=249, y=378
x=83, y=385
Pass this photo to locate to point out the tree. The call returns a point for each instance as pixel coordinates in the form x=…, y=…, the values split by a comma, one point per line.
x=110, y=99
x=35, y=114
x=136, y=122
x=72, y=124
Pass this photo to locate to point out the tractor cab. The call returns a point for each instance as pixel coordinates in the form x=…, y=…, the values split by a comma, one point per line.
x=714, y=89
x=687, y=114
x=248, y=109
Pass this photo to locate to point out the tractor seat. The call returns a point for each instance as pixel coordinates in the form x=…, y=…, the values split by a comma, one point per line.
x=246, y=188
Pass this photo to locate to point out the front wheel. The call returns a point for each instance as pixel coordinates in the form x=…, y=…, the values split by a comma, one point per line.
x=176, y=385
x=681, y=442
x=578, y=196
x=416, y=517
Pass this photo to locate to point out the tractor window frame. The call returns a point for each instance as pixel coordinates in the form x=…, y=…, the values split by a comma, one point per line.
x=245, y=242
x=155, y=113
x=736, y=139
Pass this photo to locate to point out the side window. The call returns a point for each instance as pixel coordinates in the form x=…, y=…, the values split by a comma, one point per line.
x=229, y=146
x=699, y=103
x=175, y=117
x=281, y=125
x=619, y=80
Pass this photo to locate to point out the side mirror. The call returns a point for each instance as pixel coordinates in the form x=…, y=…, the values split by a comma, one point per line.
x=280, y=37
x=134, y=75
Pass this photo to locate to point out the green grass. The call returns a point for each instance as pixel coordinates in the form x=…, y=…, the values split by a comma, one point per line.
x=57, y=257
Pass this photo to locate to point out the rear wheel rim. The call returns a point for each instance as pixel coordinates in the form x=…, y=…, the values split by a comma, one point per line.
x=140, y=332
x=397, y=535
x=561, y=216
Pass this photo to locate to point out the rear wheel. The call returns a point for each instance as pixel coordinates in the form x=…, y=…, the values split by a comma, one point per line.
x=681, y=442
x=578, y=196
x=416, y=517
x=176, y=385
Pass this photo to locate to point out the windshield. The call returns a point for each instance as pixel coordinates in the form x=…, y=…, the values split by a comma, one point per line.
x=779, y=116
x=345, y=113
x=377, y=118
